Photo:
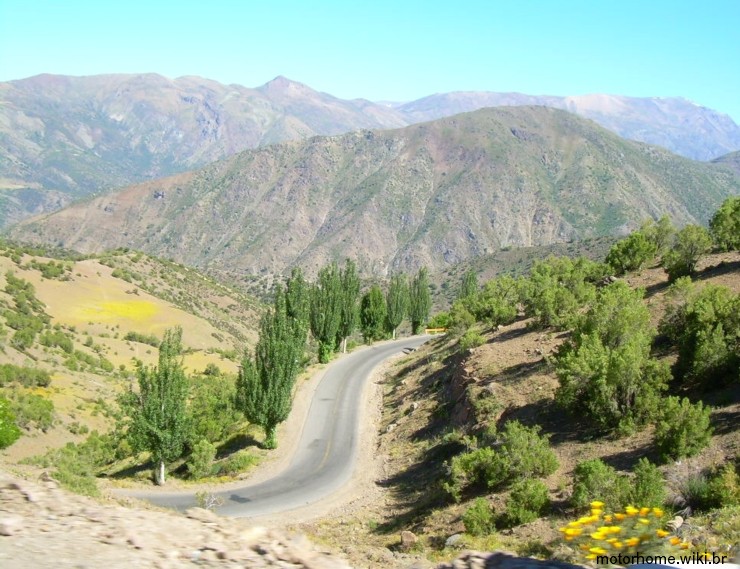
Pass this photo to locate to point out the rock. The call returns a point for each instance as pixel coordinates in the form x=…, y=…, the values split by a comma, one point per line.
x=390, y=428
x=675, y=523
x=11, y=525
x=408, y=540
x=453, y=540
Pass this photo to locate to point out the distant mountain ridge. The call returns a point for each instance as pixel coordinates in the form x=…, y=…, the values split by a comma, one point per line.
x=62, y=138
x=434, y=194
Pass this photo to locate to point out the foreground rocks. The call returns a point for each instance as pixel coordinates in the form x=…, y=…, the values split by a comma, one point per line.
x=42, y=526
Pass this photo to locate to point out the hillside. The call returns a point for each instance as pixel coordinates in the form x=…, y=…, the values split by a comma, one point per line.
x=66, y=137
x=444, y=400
x=83, y=323
x=433, y=194
x=732, y=160
x=681, y=126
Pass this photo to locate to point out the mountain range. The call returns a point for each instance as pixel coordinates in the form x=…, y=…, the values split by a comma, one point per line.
x=63, y=138
x=433, y=194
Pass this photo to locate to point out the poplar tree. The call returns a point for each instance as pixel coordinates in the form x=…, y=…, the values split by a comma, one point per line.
x=265, y=382
x=159, y=421
x=372, y=314
x=469, y=285
x=350, y=289
x=396, y=303
x=326, y=310
x=420, y=300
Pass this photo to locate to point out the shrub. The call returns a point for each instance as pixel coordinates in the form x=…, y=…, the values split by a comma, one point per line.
x=149, y=339
x=724, y=487
x=595, y=480
x=32, y=410
x=497, y=303
x=212, y=408
x=26, y=376
x=704, y=323
x=631, y=253
x=460, y=318
x=725, y=225
x=690, y=244
x=57, y=339
x=237, y=463
x=520, y=452
x=648, y=487
x=9, y=431
x=605, y=369
x=439, y=320
x=683, y=429
x=479, y=518
x=660, y=233
x=471, y=339
x=200, y=462
x=527, y=502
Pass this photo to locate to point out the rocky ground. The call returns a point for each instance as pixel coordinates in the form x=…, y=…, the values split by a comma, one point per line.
x=42, y=526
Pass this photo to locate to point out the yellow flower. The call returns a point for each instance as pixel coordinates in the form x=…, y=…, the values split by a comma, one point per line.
x=631, y=510
x=574, y=524
x=598, y=550
x=608, y=518
x=597, y=536
x=596, y=504
x=632, y=542
x=611, y=540
x=614, y=529
x=591, y=556
x=644, y=511
x=658, y=512
x=685, y=545
x=617, y=545
x=644, y=521
x=675, y=540
x=596, y=512
x=619, y=517
x=661, y=532
x=573, y=532
x=562, y=530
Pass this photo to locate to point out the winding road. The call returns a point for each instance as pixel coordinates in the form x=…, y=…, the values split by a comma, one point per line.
x=326, y=453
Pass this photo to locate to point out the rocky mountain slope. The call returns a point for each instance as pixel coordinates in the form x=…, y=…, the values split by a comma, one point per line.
x=433, y=194
x=65, y=137
x=674, y=123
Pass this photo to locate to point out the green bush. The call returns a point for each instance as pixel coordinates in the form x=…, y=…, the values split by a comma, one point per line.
x=724, y=487
x=690, y=244
x=648, y=487
x=26, y=376
x=149, y=339
x=725, y=225
x=439, y=320
x=200, y=462
x=594, y=480
x=704, y=323
x=497, y=303
x=527, y=502
x=520, y=452
x=683, y=429
x=214, y=415
x=237, y=463
x=478, y=519
x=57, y=339
x=31, y=410
x=631, y=253
x=471, y=339
x=460, y=318
x=605, y=369
x=9, y=431
x=660, y=233
x=558, y=288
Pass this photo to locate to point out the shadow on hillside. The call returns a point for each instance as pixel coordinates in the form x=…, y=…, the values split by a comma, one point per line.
x=132, y=471
x=723, y=268
x=560, y=426
x=655, y=288
x=425, y=360
x=511, y=334
x=725, y=422
x=516, y=373
x=416, y=490
x=626, y=460
x=237, y=443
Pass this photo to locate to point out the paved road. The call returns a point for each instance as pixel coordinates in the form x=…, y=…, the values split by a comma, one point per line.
x=326, y=453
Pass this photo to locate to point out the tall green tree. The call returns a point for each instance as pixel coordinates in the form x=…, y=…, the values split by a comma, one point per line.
x=264, y=388
x=326, y=310
x=690, y=244
x=420, y=300
x=9, y=431
x=396, y=303
x=158, y=413
x=372, y=314
x=349, y=313
x=469, y=285
x=725, y=225
x=297, y=296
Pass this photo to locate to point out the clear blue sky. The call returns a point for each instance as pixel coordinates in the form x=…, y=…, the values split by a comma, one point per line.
x=393, y=50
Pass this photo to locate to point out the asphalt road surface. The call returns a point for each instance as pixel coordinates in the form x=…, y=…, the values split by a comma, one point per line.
x=327, y=450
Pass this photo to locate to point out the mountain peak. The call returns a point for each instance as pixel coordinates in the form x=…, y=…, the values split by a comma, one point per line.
x=283, y=85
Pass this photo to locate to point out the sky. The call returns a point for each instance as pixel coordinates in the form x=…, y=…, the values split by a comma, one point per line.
x=393, y=50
